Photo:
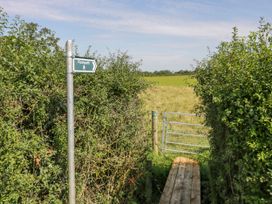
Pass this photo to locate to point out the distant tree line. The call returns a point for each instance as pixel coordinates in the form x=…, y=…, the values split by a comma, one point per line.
x=167, y=73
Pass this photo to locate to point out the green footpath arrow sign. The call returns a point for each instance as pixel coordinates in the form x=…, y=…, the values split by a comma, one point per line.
x=84, y=65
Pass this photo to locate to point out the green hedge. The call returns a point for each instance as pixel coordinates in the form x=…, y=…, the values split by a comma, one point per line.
x=109, y=138
x=235, y=86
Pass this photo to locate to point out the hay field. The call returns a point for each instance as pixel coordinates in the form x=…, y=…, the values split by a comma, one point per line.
x=176, y=81
x=171, y=94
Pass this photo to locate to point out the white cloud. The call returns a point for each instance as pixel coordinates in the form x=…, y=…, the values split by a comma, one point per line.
x=116, y=17
x=164, y=61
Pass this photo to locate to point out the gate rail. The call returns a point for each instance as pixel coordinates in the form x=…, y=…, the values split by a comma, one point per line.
x=181, y=135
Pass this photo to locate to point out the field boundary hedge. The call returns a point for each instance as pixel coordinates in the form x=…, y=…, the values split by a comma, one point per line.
x=235, y=87
x=110, y=138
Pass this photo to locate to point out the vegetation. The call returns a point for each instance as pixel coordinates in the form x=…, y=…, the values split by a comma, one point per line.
x=173, y=97
x=167, y=98
x=109, y=134
x=169, y=93
x=235, y=88
x=168, y=73
x=175, y=81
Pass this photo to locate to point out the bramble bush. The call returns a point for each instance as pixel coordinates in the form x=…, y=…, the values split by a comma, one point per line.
x=110, y=141
x=235, y=86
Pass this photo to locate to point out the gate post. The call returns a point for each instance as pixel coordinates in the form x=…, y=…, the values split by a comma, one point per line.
x=154, y=132
x=164, y=132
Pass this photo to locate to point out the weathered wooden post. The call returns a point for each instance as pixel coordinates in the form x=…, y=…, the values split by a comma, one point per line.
x=155, y=132
x=148, y=182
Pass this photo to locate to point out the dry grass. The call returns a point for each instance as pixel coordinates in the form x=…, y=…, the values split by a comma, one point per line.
x=176, y=98
x=170, y=99
x=178, y=81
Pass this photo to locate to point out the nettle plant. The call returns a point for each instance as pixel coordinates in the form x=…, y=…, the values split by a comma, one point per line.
x=235, y=87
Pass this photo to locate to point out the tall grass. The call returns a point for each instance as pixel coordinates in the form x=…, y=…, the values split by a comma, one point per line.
x=170, y=93
x=169, y=98
x=177, y=81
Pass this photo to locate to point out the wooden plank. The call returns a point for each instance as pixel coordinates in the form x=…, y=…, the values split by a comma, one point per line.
x=168, y=188
x=186, y=191
x=183, y=183
x=179, y=185
x=195, y=195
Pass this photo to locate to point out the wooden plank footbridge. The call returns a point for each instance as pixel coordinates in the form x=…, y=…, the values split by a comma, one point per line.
x=183, y=183
x=181, y=133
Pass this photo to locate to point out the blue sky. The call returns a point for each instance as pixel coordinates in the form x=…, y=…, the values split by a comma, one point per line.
x=164, y=34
